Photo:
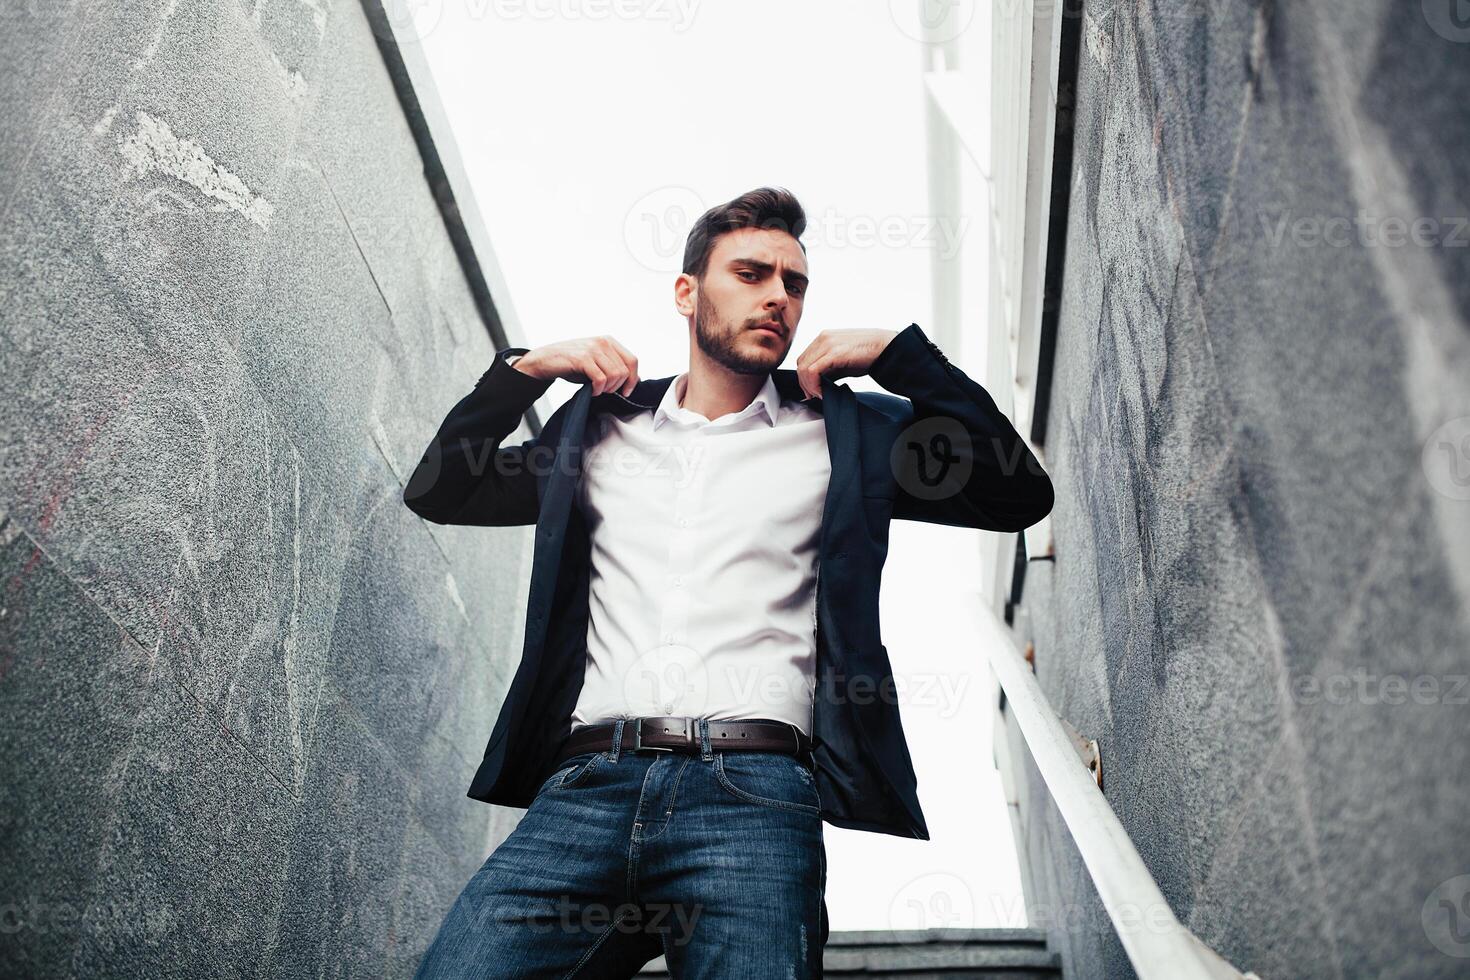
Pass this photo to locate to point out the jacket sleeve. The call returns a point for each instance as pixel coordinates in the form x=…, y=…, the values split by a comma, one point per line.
x=958, y=460
x=466, y=476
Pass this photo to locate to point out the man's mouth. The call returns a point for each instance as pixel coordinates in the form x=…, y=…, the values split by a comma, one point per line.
x=774, y=328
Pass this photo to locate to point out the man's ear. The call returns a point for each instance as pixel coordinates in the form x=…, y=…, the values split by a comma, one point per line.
x=686, y=294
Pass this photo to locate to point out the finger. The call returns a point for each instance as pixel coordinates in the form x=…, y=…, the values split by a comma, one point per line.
x=613, y=370
x=810, y=357
x=614, y=358
x=811, y=383
x=632, y=364
x=593, y=372
x=618, y=377
x=818, y=367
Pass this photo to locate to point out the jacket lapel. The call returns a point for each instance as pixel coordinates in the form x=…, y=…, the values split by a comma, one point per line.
x=838, y=407
x=839, y=411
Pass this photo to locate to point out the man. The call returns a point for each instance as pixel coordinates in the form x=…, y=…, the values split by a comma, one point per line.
x=703, y=682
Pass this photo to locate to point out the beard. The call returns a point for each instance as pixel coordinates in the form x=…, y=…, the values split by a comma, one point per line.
x=717, y=341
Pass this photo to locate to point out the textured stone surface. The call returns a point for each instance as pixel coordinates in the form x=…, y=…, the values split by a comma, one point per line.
x=1240, y=411
x=245, y=689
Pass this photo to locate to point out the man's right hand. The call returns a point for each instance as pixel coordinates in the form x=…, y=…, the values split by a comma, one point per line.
x=601, y=361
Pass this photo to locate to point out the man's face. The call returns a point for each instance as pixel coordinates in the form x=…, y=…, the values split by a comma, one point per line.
x=750, y=299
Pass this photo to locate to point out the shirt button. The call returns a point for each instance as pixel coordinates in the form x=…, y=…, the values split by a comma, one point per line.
x=683, y=522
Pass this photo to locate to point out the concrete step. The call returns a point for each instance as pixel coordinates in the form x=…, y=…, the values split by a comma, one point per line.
x=931, y=954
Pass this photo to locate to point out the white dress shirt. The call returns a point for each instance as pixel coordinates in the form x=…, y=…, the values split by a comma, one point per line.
x=704, y=535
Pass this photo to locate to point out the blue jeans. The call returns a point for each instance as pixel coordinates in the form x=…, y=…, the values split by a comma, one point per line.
x=714, y=859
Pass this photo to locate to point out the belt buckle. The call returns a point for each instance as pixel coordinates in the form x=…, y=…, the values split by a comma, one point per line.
x=638, y=745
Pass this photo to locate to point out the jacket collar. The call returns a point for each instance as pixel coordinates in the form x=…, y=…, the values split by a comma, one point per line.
x=649, y=393
x=767, y=400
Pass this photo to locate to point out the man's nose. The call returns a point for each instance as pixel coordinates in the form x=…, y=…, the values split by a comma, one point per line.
x=778, y=299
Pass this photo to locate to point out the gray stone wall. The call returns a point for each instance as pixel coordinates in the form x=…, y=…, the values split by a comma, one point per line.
x=1260, y=437
x=243, y=688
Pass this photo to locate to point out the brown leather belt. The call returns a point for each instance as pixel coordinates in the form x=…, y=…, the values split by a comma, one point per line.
x=681, y=734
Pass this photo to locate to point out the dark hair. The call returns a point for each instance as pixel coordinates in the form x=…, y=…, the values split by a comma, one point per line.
x=764, y=207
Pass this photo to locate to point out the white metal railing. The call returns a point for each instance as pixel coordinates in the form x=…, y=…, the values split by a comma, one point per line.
x=1158, y=944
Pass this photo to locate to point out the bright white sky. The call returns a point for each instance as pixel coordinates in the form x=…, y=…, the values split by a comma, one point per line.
x=592, y=142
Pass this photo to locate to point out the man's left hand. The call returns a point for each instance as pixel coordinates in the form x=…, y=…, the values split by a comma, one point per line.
x=839, y=354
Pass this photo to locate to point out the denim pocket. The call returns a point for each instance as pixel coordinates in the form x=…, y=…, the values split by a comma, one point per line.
x=572, y=771
x=772, y=779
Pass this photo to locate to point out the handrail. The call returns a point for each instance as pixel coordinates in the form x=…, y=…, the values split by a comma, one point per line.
x=1158, y=944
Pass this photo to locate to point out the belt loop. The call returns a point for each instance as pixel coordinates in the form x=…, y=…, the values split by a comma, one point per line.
x=617, y=740
x=705, y=754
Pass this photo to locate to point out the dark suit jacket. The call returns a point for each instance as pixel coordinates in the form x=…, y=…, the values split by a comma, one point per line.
x=942, y=452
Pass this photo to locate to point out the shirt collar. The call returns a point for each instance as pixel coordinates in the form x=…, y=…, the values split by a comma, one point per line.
x=767, y=400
